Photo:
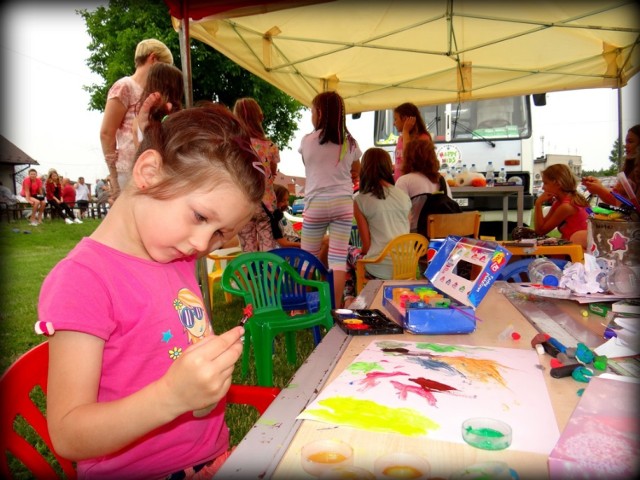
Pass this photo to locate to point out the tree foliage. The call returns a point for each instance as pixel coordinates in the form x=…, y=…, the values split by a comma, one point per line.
x=116, y=29
x=616, y=160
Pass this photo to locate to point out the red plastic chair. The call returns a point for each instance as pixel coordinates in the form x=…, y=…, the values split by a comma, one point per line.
x=258, y=397
x=30, y=371
x=26, y=373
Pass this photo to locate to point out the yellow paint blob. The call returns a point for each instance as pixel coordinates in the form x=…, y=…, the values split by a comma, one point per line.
x=402, y=471
x=327, y=457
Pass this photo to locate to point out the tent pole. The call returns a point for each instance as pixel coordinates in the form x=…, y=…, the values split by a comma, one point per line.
x=185, y=56
x=620, y=144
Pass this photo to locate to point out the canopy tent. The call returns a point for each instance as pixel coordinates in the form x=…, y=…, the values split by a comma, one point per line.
x=378, y=54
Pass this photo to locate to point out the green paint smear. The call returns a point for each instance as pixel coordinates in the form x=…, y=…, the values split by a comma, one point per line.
x=364, y=367
x=437, y=347
x=485, y=432
x=373, y=416
x=486, y=438
x=390, y=344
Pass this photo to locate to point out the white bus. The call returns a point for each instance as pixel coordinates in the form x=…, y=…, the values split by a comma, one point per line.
x=473, y=134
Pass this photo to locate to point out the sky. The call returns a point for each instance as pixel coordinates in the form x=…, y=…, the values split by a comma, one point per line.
x=45, y=109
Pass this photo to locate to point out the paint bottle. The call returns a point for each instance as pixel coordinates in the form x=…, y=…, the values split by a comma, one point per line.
x=544, y=271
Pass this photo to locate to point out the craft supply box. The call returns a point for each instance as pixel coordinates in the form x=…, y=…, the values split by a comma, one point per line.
x=465, y=268
x=429, y=320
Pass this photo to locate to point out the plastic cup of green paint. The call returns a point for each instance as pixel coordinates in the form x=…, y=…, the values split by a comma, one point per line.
x=486, y=433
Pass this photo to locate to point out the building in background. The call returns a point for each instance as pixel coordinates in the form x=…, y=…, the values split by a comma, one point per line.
x=294, y=184
x=574, y=162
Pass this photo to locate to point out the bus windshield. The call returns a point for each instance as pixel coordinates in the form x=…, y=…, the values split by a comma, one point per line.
x=506, y=118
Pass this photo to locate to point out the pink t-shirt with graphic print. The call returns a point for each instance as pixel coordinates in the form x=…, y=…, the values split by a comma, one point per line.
x=147, y=313
x=127, y=92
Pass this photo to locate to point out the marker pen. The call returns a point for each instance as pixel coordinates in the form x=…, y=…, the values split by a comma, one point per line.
x=557, y=344
x=550, y=348
x=564, y=371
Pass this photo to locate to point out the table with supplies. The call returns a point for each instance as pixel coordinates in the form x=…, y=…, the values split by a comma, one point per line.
x=506, y=324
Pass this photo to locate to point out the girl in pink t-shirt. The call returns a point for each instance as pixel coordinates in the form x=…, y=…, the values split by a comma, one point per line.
x=137, y=378
x=568, y=211
x=410, y=125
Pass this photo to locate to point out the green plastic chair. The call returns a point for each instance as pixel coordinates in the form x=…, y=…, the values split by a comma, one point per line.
x=259, y=278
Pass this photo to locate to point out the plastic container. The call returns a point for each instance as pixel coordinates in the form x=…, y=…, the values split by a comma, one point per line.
x=403, y=465
x=622, y=281
x=473, y=168
x=490, y=175
x=323, y=455
x=544, y=271
x=486, y=433
x=502, y=176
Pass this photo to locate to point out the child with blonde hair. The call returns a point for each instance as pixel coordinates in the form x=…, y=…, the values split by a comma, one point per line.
x=568, y=209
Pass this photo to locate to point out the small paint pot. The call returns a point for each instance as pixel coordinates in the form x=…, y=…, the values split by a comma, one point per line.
x=347, y=473
x=401, y=465
x=486, y=433
x=345, y=313
x=322, y=455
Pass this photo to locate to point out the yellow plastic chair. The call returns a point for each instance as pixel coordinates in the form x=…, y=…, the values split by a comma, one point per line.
x=260, y=278
x=465, y=224
x=219, y=262
x=405, y=251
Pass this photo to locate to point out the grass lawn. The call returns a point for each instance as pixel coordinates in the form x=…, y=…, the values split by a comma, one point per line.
x=29, y=253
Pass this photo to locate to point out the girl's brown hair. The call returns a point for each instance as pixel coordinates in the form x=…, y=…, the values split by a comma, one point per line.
x=166, y=80
x=249, y=113
x=281, y=192
x=410, y=110
x=567, y=181
x=420, y=157
x=333, y=121
x=203, y=146
x=376, y=168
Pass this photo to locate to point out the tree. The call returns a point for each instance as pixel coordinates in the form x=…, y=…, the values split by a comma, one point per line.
x=613, y=168
x=615, y=157
x=116, y=29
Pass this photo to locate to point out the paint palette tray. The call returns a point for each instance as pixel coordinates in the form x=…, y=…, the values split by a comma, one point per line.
x=365, y=322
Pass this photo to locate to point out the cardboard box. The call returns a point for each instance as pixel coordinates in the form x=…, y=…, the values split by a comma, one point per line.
x=601, y=439
x=465, y=268
x=424, y=319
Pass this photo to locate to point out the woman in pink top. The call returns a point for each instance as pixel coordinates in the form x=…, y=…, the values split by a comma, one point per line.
x=568, y=211
x=116, y=133
x=137, y=377
x=410, y=125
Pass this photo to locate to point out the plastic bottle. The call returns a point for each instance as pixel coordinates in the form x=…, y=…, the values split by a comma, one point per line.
x=444, y=171
x=490, y=176
x=458, y=167
x=464, y=168
x=622, y=281
x=544, y=271
x=473, y=168
x=502, y=176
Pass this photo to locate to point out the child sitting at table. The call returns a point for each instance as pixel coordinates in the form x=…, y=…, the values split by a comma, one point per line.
x=568, y=209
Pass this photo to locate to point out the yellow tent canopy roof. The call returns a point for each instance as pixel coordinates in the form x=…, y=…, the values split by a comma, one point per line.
x=378, y=54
